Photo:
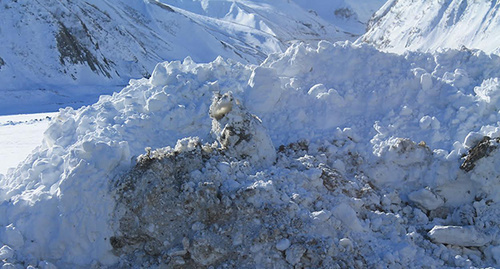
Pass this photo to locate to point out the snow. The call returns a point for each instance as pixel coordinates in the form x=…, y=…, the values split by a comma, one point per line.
x=458, y=235
x=73, y=51
x=276, y=154
x=324, y=153
x=400, y=26
x=20, y=134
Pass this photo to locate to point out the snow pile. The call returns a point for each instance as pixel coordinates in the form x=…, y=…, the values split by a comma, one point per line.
x=430, y=25
x=378, y=160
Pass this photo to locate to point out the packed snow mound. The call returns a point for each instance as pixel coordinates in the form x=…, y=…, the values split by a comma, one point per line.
x=378, y=159
x=429, y=25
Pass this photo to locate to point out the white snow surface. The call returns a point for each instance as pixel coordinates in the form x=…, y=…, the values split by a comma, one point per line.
x=369, y=152
x=20, y=135
x=431, y=25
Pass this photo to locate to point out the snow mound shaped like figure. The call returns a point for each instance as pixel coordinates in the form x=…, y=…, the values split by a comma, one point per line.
x=240, y=134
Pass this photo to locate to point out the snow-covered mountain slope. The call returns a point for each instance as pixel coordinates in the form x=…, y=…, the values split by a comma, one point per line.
x=381, y=160
x=350, y=16
x=58, y=52
x=402, y=25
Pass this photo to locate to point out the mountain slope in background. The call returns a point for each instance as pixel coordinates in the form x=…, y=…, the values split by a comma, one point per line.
x=428, y=25
x=350, y=16
x=56, y=51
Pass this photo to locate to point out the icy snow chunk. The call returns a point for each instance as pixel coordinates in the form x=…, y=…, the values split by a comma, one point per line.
x=294, y=253
x=157, y=102
x=348, y=216
x=426, y=199
x=321, y=215
x=472, y=139
x=283, y=244
x=159, y=76
x=427, y=122
x=6, y=252
x=264, y=89
x=489, y=91
x=426, y=81
x=465, y=236
x=12, y=237
x=495, y=251
x=317, y=90
x=346, y=243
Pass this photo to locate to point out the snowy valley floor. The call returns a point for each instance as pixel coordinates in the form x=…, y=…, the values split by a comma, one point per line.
x=20, y=135
x=328, y=156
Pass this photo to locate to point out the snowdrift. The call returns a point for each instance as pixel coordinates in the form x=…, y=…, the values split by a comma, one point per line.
x=326, y=156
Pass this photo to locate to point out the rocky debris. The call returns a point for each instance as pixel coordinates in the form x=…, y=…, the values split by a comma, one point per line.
x=193, y=206
x=240, y=134
x=482, y=149
x=181, y=208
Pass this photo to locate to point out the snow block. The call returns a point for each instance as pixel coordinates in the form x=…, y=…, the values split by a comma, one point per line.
x=426, y=199
x=464, y=236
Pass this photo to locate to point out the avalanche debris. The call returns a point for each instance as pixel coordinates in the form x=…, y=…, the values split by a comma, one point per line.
x=324, y=174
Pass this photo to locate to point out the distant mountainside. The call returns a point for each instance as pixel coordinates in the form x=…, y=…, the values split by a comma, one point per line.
x=428, y=25
x=56, y=45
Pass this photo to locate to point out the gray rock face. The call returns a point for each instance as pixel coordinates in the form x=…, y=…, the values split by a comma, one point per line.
x=482, y=149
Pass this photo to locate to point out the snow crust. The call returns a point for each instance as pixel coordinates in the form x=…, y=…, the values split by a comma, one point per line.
x=367, y=172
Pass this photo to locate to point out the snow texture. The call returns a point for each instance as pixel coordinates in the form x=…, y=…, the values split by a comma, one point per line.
x=365, y=171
